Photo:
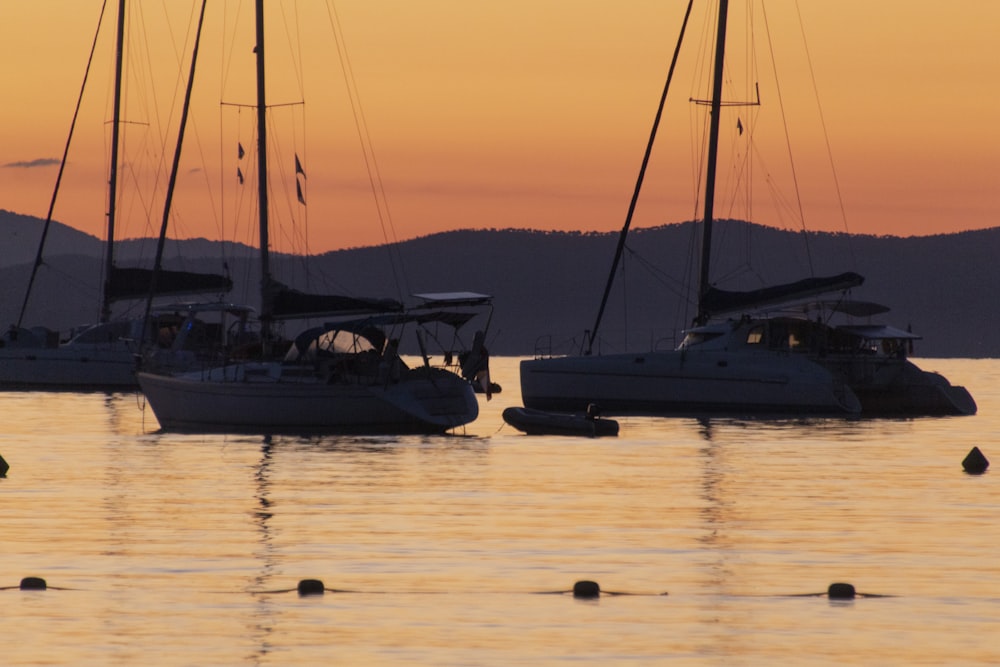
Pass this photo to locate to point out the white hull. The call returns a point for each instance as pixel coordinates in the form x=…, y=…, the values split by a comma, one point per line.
x=686, y=382
x=424, y=401
x=69, y=368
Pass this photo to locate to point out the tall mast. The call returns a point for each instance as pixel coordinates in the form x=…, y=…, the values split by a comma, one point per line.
x=109, y=260
x=265, y=269
x=713, y=151
x=174, y=168
x=638, y=184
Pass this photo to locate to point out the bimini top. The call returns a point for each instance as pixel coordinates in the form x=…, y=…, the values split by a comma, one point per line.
x=847, y=307
x=879, y=332
x=372, y=327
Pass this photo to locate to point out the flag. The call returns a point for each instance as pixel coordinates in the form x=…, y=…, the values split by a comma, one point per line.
x=240, y=152
x=239, y=175
x=298, y=167
x=298, y=191
x=739, y=126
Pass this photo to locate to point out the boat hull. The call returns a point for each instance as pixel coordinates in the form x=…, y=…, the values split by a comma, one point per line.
x=539, y=422
x=428, y=401
x=67, y=369
x=896, y=387
x=686, y=382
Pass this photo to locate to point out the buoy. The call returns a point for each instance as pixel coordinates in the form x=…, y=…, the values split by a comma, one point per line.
x=586, y=590
x=840, y=592
x=3, y=467
x=33, y=584
x=975, y=462
x=311, y=587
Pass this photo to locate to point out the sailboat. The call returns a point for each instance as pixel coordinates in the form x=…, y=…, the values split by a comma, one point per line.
x=99, y=356
x=343, y=376
x=777, y=350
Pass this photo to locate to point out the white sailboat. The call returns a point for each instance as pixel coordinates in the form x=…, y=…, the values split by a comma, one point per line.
x=99, y=356
x=771, y=351
x=345, y=376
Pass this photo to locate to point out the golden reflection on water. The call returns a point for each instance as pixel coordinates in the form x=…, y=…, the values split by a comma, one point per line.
x=175, y=547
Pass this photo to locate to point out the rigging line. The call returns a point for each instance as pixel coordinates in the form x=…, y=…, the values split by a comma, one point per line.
x=193, y=121
x=297, y=41
x=677, y=287
x=295, y=29
x=638, y=184
x=153, y=109
x=174, y=168
x=219, y=224
x=822, y=121
x=62, y=168
x=220, y=211
x=700, y=128
x=368, y=151
x=788, y=144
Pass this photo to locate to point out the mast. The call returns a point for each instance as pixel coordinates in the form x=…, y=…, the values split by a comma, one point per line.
x=713, y=151
x=62, y=168
x=265, y=269
x=109, y=260
x=638, y=184
x=175, y=166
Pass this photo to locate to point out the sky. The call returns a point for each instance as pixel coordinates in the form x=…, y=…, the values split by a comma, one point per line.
x=522, y=114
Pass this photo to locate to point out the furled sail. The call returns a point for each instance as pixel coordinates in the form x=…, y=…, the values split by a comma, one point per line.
x=134, y=283
x=287, y=303
x=716, y=301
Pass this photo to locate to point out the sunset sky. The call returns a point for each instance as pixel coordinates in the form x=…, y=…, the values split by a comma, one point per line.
x=524, y=113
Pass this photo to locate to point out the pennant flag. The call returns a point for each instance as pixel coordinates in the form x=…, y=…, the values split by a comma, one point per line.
x=298, y=167
x=298, y=191
x=239, y=175
x=240, y=151
x=739, y=126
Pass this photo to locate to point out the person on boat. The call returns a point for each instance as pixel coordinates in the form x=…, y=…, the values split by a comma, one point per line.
x=390, y=366
x=476, y=364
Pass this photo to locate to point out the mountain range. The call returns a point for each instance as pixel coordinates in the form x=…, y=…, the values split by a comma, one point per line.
x=547, y=286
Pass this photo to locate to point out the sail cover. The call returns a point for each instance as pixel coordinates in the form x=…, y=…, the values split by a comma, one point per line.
x=716, y=301
x=135, y=283
x=288, y=303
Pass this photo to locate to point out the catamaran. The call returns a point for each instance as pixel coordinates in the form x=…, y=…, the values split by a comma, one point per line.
x=777, y=350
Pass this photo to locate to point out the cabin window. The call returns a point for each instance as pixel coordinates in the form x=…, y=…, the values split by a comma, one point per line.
x=693, y=338
x=755, y=336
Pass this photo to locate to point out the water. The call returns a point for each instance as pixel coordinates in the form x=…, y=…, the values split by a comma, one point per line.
x=184, y=550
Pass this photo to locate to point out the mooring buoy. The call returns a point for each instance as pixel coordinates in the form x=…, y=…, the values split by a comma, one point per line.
x=586, y=590
x=840, y=592
x=311, y=587
x=33, y=584
x=975, y=462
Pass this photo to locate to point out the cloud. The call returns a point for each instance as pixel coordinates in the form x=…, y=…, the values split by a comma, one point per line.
x=29, y=164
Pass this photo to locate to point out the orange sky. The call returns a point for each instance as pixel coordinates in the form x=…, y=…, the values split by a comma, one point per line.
x=524, y=113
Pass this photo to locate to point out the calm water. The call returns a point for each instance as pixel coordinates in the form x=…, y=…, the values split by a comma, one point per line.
x=180, y=550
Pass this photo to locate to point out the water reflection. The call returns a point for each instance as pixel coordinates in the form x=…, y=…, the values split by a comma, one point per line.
x=166, y=539
x=714, y=513
x=264, y=617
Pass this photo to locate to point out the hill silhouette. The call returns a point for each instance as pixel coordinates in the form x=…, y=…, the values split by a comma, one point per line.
x=547, y=285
